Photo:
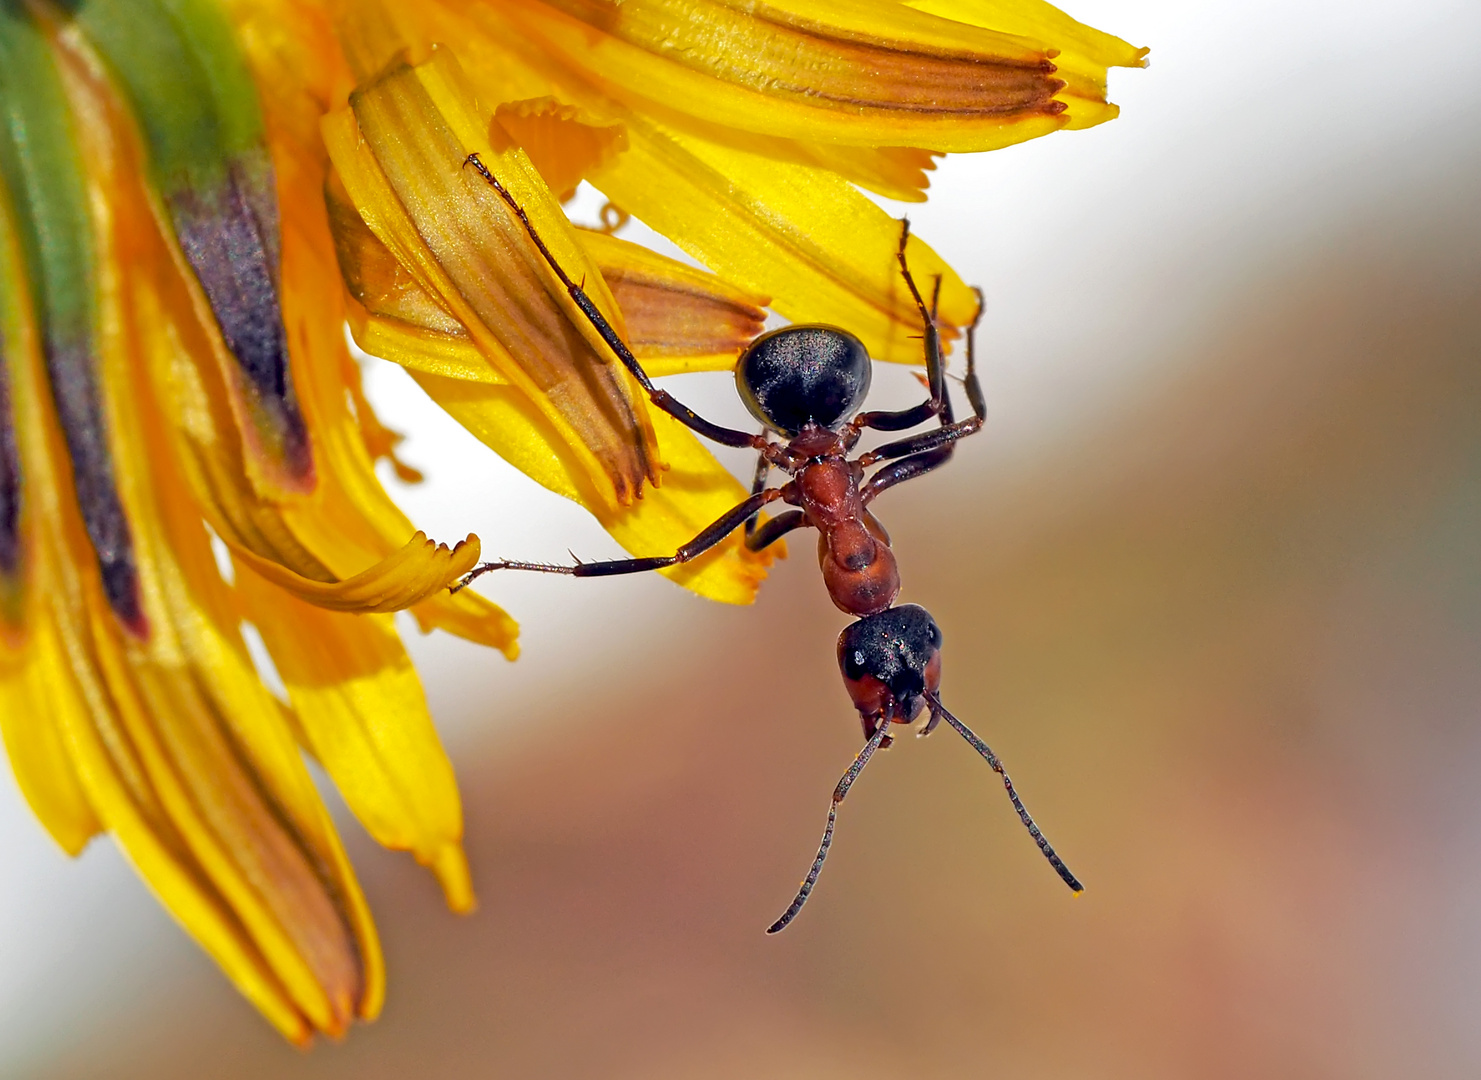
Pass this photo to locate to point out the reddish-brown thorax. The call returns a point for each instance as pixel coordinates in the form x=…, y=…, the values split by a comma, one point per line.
x=853, y=548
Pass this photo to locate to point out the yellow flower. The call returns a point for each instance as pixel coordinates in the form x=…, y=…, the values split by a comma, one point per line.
x=196, y=195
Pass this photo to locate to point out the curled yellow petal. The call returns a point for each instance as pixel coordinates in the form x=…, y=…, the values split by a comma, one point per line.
x=563, y=143
x=419, y=570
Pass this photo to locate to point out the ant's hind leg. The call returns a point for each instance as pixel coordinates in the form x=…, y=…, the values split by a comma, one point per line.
x=905, y=469
x=662, y=399
x=924, y=452
x=938, y=401
x=974, y=387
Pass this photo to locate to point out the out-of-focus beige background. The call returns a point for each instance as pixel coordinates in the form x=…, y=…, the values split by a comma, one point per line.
x=1210, y=583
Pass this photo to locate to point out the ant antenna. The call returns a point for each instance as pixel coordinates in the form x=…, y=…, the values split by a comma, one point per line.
x=997, y=767
x=838, y=794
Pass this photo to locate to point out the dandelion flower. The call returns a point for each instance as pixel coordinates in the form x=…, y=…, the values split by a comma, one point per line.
x=196, y=196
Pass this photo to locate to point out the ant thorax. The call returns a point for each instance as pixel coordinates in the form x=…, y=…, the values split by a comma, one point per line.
x=815, y=441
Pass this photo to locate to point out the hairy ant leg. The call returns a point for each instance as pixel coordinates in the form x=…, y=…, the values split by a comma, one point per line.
x=927, y=440
x=937, y=402
x=921, y=463
x=661, y=399
x=758, y=483
x=973, y=386
x=711, y=535
x=772, y=531
x=905, y=469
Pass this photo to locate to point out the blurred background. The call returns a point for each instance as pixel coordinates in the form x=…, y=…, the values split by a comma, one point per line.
x=1210, y=584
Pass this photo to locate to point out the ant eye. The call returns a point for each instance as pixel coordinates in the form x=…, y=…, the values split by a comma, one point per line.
x=802, y=375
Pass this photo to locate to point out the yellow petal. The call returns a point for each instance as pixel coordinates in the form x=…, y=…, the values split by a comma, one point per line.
x=563, y=143
x=896, y=172
x=678, y=318
x=693, y=494
x=36, y=691
x=851, y=73
x=179, y=728
x=401, y=155
x=1084, y=52
x=800, y=234
x=419, y=570
x=352, y=522
x=378, y=281
x=362, y=712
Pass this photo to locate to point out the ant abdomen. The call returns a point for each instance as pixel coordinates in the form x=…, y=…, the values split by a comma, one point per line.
x=801, y=375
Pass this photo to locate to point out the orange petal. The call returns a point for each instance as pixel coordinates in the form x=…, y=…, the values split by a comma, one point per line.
x=563, y=143
x=678, y=318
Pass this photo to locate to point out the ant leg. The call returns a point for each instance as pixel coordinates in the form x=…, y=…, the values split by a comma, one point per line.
x=769, y=533
x=775, y=529
x=712, y=534
x=762, y=468
x=906, y=469
x=927, y=440
x=935, y=363
x=662, y=399
x=921, y=463
x=932, y=443
x=974, y=387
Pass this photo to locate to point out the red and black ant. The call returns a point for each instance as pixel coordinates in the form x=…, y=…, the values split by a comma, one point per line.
x=805, y=384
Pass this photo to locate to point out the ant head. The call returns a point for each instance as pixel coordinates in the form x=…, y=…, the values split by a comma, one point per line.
x=890, y=661
x=800, y=375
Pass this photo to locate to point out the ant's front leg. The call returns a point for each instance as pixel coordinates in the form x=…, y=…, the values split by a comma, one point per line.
x=718, y=530
x=661, y=399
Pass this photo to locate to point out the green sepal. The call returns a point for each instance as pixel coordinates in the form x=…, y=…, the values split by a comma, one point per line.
x=43, y=178
x=181, y=68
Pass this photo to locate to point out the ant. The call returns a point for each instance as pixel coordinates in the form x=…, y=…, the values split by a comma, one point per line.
x=806, y=383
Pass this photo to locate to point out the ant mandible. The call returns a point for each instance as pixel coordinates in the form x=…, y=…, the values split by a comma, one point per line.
x=806, y=383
